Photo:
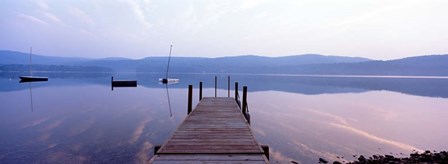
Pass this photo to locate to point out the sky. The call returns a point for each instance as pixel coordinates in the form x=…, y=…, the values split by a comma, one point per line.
x=376, y=29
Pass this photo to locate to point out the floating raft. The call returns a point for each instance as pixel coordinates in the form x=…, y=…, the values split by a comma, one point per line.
x=214, y=132
x=123, y=83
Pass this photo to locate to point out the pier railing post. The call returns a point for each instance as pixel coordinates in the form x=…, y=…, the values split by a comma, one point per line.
x=200, y=91
x=156, y=149
x=190, y=98
x=236, y=91
x=228, y=86
x=216, y=85
x=244, y=108
x=265, y=150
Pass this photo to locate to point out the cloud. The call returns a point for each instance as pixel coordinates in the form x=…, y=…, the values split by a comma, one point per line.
x=81, y=15
x=41, y=4
x=52, y=17
x=333, y=116
x=63, y=155
x=53, y=125
x=376, y=138
x=44, y=136
x=143, y=153
x=32, y=19
x=249, y=4
x=35, y=122
x=139, y=130
x=147, y=2
x=81, y=127
x=139, y=13
x=278, y=157
x=355, y=21
x=303, y=148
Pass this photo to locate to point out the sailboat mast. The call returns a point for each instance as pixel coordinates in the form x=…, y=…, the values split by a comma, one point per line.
x=31, y=52
x=168, y=66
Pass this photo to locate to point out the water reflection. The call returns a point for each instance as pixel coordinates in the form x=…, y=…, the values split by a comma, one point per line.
x=305, y=128
x=300, y=118
x=31, y=98
x=168, y=97
x=85, y=124
x=309, y=85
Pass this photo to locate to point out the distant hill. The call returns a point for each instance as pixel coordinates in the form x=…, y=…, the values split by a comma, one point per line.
x=290, y=60
x=431, y=65
x=239, y=64
x=14, y=57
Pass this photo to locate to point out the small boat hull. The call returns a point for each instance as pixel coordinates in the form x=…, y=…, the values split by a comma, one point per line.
x=169, y=80
x=32, y=78
x=124, y=83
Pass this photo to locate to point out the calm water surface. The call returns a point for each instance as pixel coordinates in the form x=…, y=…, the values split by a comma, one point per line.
x=79, y=119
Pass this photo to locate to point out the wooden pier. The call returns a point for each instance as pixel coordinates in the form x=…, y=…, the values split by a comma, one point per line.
x=216, y=131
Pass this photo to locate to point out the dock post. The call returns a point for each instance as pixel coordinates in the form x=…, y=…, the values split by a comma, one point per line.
x=200, y=91
x=112, y=83
x=265, y=150
x=228, y=86
x=156, y=149
x=244, y=110
x=236, y=91
x=216, y=84
x=190, y=95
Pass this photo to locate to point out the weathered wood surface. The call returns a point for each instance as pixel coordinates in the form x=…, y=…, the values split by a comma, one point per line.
x=209, y=158
x=217, y=132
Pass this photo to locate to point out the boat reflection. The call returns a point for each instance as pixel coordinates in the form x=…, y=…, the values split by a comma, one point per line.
x=31, y=97
x=168, y=93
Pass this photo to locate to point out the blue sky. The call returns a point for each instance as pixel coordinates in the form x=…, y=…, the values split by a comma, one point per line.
x=377, y=29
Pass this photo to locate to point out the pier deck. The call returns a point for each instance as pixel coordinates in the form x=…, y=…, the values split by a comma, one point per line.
x=214, y=132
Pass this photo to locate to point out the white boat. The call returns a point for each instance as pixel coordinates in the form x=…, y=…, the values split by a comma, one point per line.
x=168, y=80
x=32, y=78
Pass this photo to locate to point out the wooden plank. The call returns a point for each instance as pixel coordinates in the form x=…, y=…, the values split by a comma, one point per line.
x=214, y=132
x=243, y=158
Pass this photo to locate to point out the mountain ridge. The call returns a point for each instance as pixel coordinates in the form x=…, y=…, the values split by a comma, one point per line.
x=436, y=65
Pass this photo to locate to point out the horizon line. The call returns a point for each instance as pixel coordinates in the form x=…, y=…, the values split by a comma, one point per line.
x=129, y=58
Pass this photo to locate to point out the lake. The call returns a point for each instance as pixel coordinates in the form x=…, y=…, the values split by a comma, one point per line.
x=78, y=118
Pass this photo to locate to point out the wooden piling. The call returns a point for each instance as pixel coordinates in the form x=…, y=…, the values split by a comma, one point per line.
x=236, y=91
x=228, y=86
x=216, y=85
x=200, y=91
x=244, y=106
x=190, y=98
x=265, y=150
x=156, y=149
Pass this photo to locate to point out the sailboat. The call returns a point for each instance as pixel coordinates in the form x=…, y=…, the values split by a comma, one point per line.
x=32, y=78
x=167, y=80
